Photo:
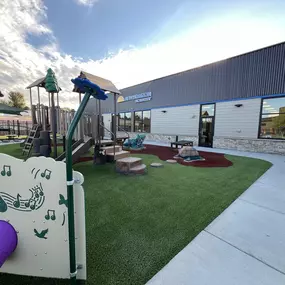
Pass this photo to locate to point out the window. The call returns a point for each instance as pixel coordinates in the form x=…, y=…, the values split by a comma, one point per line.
x=208, y=110
x=142, y=122
x=124, y=122
x=146, y=121
x=272, y=123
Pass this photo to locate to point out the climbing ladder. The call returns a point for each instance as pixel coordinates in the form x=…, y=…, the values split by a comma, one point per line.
x=30, y=140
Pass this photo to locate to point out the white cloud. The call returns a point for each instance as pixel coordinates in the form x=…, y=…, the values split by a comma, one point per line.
x=88, y=3
x=208, y=41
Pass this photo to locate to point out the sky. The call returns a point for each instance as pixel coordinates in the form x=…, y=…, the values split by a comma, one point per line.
x=126, y=41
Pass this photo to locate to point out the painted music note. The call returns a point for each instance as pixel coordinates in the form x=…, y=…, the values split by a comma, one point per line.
x=46, y=174
x=31, y=204
x=38, y=189
x=50, y=215
x=27, y=204
x=63, y=222
x=6, y=170
x=17, y=202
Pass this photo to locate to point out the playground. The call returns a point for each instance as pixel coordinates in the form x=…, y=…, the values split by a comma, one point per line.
x=136, y=224
x=131, y=219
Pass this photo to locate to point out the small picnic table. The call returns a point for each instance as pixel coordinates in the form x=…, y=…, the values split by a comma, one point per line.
x=181, y=143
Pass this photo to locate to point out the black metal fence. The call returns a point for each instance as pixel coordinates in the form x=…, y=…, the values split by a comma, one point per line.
x=15, y=127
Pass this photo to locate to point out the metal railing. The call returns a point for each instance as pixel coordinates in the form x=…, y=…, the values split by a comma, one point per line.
x=123, y=130
x=101, y=125
x=113, y=135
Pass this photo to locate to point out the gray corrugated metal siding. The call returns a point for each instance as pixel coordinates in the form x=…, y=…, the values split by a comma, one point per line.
x=257, y=73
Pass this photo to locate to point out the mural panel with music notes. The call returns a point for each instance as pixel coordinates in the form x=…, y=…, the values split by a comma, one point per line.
x=33, y=198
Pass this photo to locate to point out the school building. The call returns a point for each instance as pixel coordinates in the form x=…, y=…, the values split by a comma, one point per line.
x=237, y=103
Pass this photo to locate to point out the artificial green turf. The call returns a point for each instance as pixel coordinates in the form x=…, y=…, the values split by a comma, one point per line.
x=136, y=224
x=16, y=151
x=12, y=149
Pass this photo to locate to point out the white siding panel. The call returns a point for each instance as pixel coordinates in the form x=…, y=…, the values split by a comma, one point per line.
x=176, y=121
x=107, y=118
x=242, y=122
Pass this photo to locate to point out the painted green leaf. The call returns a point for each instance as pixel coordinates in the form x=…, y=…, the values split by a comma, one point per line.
x=42, y=234
x=62, y=200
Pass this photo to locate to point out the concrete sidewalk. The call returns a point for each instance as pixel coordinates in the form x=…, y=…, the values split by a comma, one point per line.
x=245, y=245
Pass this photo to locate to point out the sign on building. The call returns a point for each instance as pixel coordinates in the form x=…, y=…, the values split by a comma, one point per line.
x=138, y=98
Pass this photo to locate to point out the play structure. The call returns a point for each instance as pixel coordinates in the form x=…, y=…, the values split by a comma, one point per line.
x=42, y=214
x=134, y=144
x=53, y=122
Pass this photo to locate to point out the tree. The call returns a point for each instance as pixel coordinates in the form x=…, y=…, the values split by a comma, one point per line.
x=278, y=123
x=16, y=99
x=5, y=102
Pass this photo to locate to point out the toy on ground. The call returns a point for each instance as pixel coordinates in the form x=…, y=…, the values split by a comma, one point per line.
x=136, y=143
x=188, y=153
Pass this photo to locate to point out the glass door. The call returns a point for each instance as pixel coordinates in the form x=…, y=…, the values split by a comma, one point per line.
x=206, y=130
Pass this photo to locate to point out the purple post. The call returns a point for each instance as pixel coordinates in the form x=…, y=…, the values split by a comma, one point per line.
x=8, y=241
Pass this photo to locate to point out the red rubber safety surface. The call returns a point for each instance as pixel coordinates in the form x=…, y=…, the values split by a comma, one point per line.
x=212, y=159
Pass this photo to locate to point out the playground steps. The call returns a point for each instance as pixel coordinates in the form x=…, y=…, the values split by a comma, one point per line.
x=30, y=140
x=140, y=169
x=130, y=165
x=110, y=149
x=107, y=142
x=118, y=155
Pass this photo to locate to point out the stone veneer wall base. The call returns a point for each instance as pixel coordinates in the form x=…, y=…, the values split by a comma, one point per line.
x=242, y=144
x=163, y=138
x=253, y=145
